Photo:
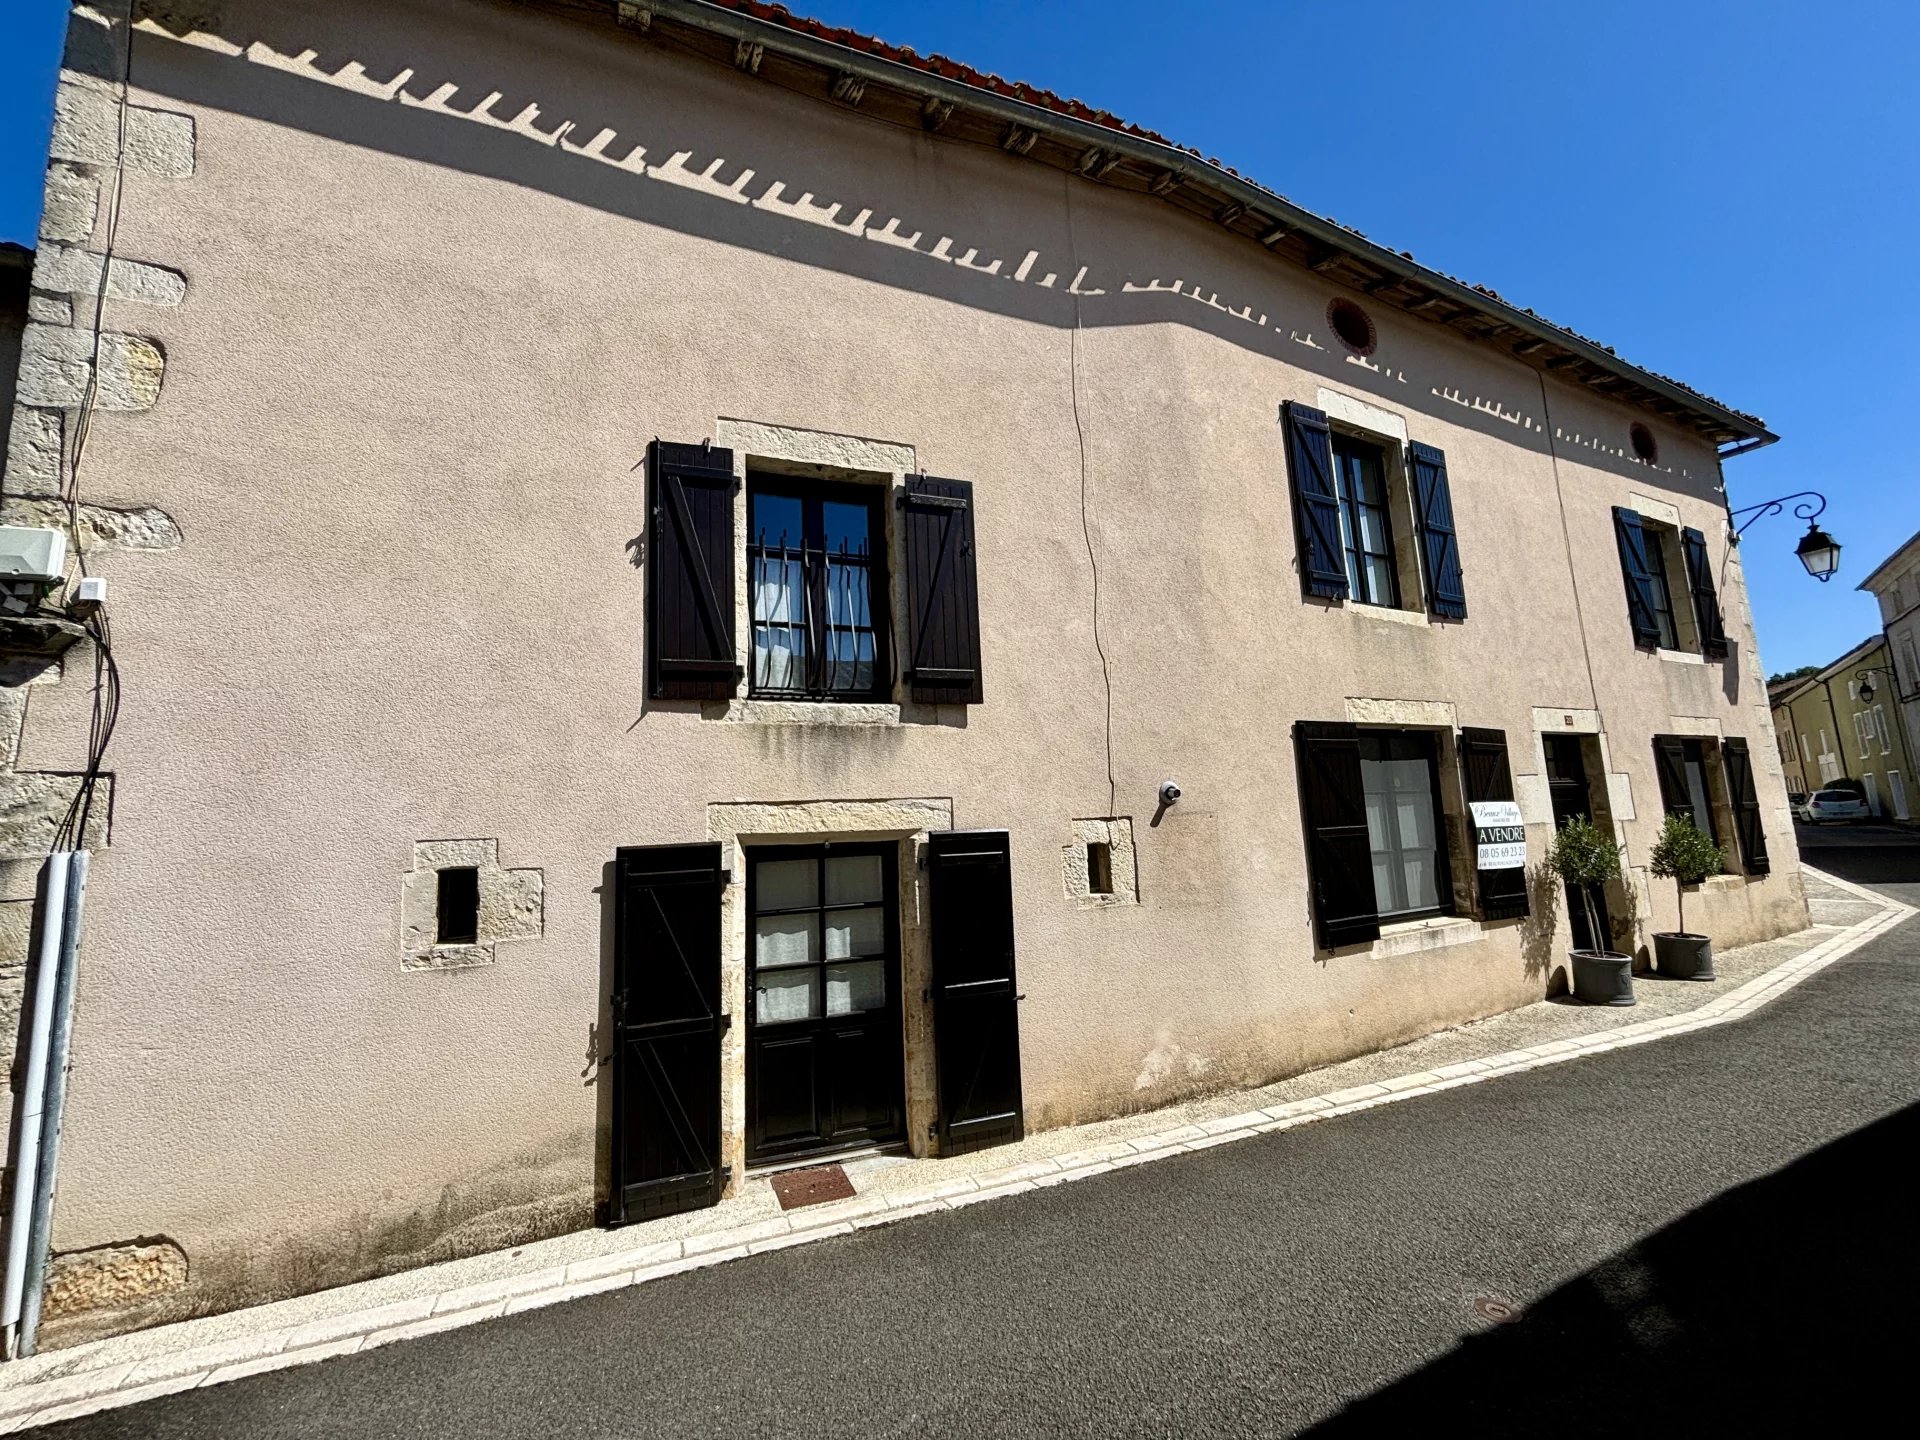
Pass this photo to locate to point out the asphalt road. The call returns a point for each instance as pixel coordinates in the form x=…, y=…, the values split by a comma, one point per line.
x=1712, y=1234
x=1884, y=856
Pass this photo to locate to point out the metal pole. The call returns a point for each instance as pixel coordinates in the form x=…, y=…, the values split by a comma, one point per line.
x=59, y=1049
x=26, y=1140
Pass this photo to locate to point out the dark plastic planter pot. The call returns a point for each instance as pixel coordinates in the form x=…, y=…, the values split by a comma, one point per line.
x=1684, y=957
x=1602, y=977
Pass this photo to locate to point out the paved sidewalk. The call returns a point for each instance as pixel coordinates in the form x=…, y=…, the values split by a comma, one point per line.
x=125, y=1369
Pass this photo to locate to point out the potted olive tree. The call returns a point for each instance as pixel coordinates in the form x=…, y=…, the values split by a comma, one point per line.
x=1686, y=855
x=1583, y=857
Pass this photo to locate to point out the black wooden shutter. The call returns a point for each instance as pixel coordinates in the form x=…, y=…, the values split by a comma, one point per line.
x=1316, y=503
x=1670, y=764
x=1488, y=776
x=976, y=1010
x=1439, y=545
x=1633, y=569
x=690, y=491
x=943, y=592
x=667, y=1026
x=1339, y=856
x=1746, y=807
x=1706, y=601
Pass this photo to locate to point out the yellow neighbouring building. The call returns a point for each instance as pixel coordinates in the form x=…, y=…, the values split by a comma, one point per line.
x=1840, y=725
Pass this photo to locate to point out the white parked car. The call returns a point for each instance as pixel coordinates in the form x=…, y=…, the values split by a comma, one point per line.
x=1825, y=805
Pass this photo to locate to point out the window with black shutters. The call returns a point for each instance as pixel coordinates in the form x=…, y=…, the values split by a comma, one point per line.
x=1661, y=591
x=1685, y=780
x=818, y=590
x=1709, y=626
x=1747, y=828
x=1373, y=517
x=1672, y=602
x=941, y=661
x=1375, y=828
x=1500, y=892
x=1366, y=521
x=689, y=559
x=1400, y=778
x=1440, y=564
x=1333, y=813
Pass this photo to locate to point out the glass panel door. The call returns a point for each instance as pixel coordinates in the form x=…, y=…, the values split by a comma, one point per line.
x=824, y=1059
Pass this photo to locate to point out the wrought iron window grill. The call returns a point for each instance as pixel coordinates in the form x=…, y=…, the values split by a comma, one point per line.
x=818, y=626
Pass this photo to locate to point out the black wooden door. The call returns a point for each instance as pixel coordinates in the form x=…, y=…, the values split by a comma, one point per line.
x=825, y=1062
x=1567, y=786
x=976, y=1010
x=666, y=1031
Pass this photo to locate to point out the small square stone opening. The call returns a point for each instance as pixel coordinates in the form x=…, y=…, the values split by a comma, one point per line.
x=458, y=903
x=1099, y=866
x=457, y=906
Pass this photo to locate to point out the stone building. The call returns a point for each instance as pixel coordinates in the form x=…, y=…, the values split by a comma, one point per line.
x=692, y=590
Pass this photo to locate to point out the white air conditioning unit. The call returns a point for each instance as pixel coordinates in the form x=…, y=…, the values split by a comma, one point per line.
x=31, y=553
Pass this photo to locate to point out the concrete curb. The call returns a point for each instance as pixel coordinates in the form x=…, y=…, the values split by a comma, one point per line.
x=106, y=1384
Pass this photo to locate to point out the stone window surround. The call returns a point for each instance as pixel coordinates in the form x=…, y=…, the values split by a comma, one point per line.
x=1708, y=730
x=1665, y=516
x=1417, y=937
x=740, y=824
x=1441, y=719
x=1116, y=831
x=1388, y=429
x=512, y=905
x=849, y=459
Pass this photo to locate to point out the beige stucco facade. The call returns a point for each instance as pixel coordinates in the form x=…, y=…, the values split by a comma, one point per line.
x=422, y=340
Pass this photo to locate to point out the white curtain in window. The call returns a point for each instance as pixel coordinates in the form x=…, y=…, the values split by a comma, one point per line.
x=779, y=624
x=1402, y=833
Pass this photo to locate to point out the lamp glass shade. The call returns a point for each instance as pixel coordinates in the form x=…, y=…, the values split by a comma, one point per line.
x=1819, y=552
x=1866, y=692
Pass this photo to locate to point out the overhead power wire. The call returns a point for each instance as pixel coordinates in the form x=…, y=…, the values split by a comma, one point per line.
x=1086, y=523
x=1566, y=537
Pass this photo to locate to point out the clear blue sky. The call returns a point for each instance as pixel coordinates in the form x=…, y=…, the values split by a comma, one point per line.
x=1725, y=192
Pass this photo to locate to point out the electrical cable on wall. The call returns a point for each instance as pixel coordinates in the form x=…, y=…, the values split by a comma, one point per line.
x=1566, y=537
x=1086, y=524
x=72, y=830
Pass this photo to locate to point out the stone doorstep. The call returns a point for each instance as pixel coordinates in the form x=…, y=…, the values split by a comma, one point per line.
x=108, y=1382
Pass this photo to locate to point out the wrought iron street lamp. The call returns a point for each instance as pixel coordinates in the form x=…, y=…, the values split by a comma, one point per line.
x=1863, y=678
x=1818, y=550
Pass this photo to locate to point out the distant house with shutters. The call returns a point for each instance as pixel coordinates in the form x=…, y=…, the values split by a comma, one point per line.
x=1839, y=728
x=1895, y=584
x=693, y=592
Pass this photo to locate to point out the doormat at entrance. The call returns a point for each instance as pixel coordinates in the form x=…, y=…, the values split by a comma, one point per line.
x=814, y=1186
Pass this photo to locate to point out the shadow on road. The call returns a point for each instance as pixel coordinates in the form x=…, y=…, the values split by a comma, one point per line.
x=1895, y=861
x=1785, y=1305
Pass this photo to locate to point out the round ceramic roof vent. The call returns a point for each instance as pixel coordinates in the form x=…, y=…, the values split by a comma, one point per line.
x=1644, y=445
x=1352, y=325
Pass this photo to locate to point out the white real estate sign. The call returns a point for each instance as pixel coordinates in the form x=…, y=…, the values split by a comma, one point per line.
x=1500, y=835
